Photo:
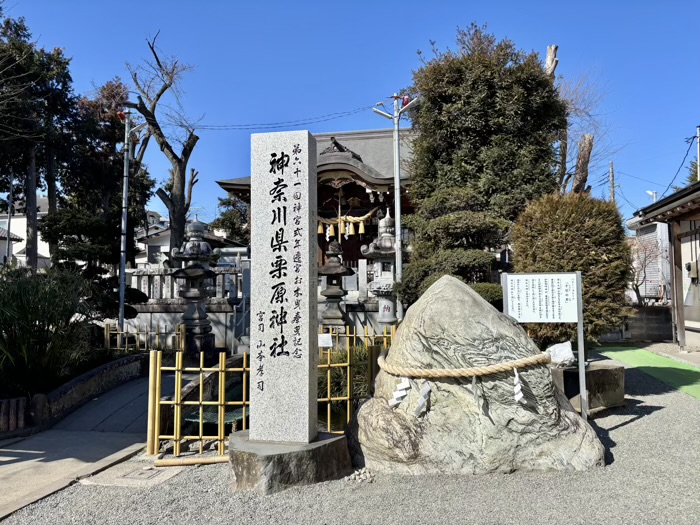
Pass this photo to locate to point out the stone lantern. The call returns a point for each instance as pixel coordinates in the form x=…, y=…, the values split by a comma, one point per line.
x=381, y=252
x=334, y=270
x=197, y=254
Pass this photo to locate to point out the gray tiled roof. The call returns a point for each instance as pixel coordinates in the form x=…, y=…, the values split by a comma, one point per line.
x=13, y=237
x=375, y=147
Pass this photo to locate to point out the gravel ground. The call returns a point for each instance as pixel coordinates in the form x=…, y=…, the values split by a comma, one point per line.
x=652, y=476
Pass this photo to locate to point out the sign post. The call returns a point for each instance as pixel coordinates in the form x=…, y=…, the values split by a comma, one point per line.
x=283, y=333
x=549, y=298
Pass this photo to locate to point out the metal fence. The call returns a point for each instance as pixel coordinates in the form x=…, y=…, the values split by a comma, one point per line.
x=144, y=338
x=209, y=401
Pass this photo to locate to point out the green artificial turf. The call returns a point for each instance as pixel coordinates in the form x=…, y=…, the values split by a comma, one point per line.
x=685, y=378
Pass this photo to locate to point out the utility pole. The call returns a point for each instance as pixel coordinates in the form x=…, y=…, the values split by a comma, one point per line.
x=612, y=182
x=126, y=118
x=125, y=206
x=10, y=207
x=397, y=190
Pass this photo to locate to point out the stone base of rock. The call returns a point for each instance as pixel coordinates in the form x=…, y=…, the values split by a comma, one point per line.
x=605, y=383
x=266, y=467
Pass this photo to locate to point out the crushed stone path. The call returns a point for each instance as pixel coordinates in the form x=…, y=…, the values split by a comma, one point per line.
x=650, y=478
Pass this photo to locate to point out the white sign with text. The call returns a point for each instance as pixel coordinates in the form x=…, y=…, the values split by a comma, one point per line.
x=549, y=298
x=541, y=297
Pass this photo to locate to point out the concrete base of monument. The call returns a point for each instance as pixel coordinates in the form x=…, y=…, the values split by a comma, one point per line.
x=268, y=467
x=605, y=383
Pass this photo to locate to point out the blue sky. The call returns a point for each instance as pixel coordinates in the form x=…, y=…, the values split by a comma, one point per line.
x=269, y=61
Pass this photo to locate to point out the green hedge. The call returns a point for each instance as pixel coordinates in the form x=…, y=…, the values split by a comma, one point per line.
x=576, y=232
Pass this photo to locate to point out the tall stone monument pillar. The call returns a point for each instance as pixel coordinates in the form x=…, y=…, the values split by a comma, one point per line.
x=283, y=332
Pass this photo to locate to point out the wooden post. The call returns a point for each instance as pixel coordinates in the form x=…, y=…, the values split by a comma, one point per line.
x=21, y=411
x=677, y=279
x=4, y=415
x=152, y=433
x=12, y=423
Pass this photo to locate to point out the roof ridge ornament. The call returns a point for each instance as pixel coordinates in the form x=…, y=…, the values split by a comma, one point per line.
x=337, y=147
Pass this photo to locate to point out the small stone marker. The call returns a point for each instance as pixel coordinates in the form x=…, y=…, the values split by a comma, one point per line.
x=283, y=333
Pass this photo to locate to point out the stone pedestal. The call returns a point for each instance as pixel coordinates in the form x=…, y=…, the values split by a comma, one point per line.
x=266, y=467
x=196, y=253
x=605, y=383
x=334, y=271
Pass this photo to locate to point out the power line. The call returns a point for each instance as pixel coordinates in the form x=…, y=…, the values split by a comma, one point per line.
x=689, y=140
x=639, y=178
x=283, y=124
x=625, y=198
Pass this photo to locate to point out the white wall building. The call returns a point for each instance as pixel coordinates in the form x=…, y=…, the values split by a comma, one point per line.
x=650, y=252
x=18, y=227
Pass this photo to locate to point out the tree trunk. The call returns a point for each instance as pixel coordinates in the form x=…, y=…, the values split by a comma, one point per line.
x=178, y=212
x=552, y=61
x=51, y=192
x=31, y=212
x=585, y=148
x=563, y=157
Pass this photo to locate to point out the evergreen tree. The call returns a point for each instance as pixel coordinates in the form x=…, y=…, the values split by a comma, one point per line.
x=485, y=131
x=692, y=173
x=576, y=232
x=35, y=129
x=233, y=219
x=87, y=229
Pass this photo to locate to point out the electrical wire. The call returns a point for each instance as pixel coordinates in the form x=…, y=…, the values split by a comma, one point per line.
x=284, y=124
x=635, y=208
x=638, y=178
x=690, y=141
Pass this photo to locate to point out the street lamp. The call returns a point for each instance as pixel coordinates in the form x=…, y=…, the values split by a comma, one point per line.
x=405, y=104
x=128, y=131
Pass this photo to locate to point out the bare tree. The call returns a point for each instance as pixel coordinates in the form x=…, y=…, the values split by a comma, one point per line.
x=585, y=148
x=153, y=80
x=646, y=253
x=585, y=126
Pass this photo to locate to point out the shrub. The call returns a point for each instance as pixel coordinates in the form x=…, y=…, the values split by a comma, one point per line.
x=338, y=380
x=469, y=266
x=492, y=293
x=575, y=232
x=44, y=323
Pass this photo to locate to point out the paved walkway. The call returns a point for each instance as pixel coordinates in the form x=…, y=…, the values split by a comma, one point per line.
x=103, y=432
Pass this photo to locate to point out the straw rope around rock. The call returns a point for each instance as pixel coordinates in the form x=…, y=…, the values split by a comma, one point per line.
x=436, y=373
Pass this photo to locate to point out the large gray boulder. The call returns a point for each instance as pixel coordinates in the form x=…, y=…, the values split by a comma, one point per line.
x=451, y=326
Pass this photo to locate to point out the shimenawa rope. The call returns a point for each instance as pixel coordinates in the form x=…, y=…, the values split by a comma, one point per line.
x=434, y=373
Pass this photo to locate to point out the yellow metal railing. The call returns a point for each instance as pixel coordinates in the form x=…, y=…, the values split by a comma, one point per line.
x=346, y=374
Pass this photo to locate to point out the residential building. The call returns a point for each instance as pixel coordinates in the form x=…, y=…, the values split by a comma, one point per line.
x=18, y=227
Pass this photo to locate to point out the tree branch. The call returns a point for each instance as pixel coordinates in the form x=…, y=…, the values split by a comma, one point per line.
x=165, y=198
x=155, y=130
x=189, y=146
x=152, y=47
x=193, y=180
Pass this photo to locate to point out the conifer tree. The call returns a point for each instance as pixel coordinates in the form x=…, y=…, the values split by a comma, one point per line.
x=484, y=147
